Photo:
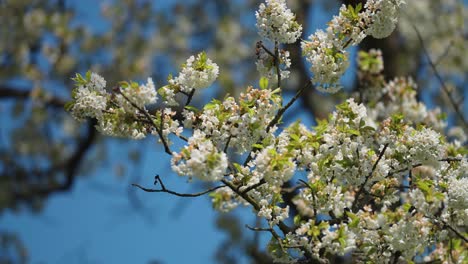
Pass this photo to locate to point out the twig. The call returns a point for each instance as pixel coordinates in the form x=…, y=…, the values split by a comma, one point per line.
x=271, y=230
x=277, y=64
x=361, y=189
x=190, y=96
x=455, y=231
x=164, y=190
x=439, y=78
x=260, y=44
x=13, y=92
x=227, y=143
x=258, y=184
x=286, y=107
x=314, y=203
x=146, y=114
x=279, y=114
x=420, y=164
x=282, y=226
x=259, y=229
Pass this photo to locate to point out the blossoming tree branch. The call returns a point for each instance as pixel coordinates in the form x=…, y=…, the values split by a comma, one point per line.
x=383, y=183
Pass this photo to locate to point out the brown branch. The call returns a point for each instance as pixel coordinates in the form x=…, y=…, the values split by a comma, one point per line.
x=258, y=184
x=70, y=167
x=164, y=190
x=190, y=96
x=456, y=107
x=361, y=189
x=147, y=115
x=280, y=114
x=277, y=64
x=455, y=231
x=11, y=92
x=271, y=230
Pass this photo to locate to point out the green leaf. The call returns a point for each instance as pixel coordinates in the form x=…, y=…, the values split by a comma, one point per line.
x=354, y=219
x=237, y=166
x=297, y=219
x=406, y=207
x=258, y=146
x=191, y=108
x=263, y=83
x=353, y=132
x=342, y=241
x=69, y=105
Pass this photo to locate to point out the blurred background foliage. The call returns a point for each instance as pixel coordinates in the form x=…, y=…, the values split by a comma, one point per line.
x=43, y=43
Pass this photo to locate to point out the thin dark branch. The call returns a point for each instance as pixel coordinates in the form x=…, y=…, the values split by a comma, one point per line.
x=314, y=205
x=455, y=231
x=361, y=189
x=69, y=166
x=279, y=114
x=287, y=106
x=147, y=115
x=266, y=49
x=277, y=64
x=258, y=184
x=227, y=143
x=259, y=229
x=190, y=97
x=10, y=92
x=420, y=164
x=455, y=106
x=164, y=190
x=271, y=230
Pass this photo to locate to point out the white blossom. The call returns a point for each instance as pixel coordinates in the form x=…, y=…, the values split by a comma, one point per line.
x=139, y=95
x=197, y=73
x=276, y=22
x=201, y=159
x=90, y=97
x=458, y=193
x=381, y=17
x=328, y=63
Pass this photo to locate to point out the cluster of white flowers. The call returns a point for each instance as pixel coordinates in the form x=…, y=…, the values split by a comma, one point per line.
x=170, y=125
x=118, y=123
x=225, y=200
x=381, y=17
x=117, y=113
x=400, y=98
x=241, y=124
x=90, y=98
x=169, y=91
x=371, y=61
x=196, y=73
x=200, y=158
x=139, y=95
x=328, y=62
x=275, y=165
x=273, y=213
x=324, y=199
x=276, y=22
x=326, y=50
x=458, y=194
x=381, y=235
x=337, y=240
x=423, y=146
x=370, y=76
